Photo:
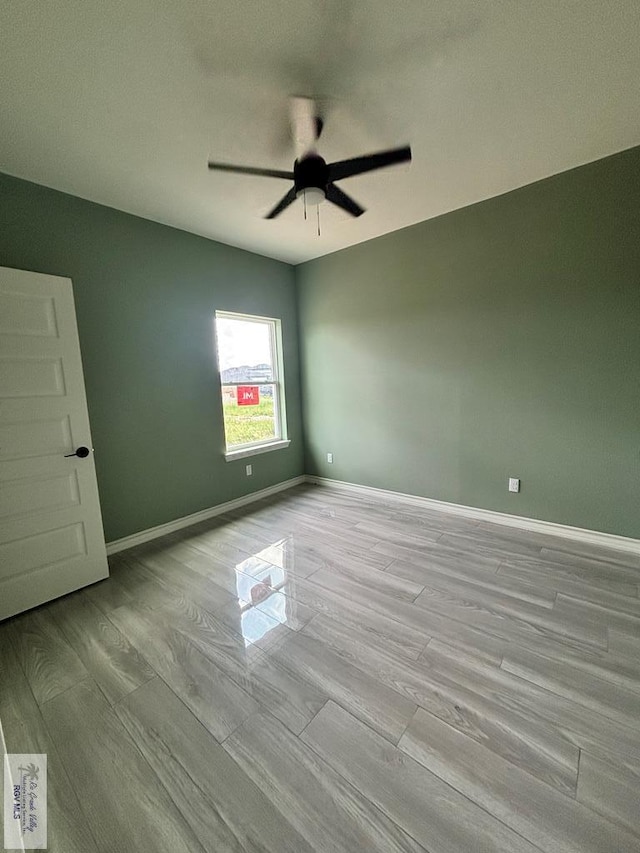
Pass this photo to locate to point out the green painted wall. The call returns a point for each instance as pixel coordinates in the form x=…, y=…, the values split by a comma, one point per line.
x=145, y=296
x=499, y=340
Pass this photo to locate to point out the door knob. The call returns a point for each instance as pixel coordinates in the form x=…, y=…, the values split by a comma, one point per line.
x=81, y=452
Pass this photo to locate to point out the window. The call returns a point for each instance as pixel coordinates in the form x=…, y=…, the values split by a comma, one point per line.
x=250, y=364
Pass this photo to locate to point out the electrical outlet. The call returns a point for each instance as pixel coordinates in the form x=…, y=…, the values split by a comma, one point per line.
x=330, y=457
x=249, y=470
x=514, y=484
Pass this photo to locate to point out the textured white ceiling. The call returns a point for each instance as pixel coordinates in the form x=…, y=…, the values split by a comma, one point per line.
x=122, y=102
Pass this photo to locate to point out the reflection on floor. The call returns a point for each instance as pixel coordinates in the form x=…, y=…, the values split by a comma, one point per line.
x=258, y=583
x=323, y=672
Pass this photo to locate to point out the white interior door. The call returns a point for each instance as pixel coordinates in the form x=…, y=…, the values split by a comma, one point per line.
x=51, y=537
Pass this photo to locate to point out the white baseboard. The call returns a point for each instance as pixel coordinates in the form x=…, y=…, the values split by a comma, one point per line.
x=577, y=534
x=194, y=518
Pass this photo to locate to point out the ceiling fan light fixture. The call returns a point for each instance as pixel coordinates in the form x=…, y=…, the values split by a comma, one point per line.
x=312, y=195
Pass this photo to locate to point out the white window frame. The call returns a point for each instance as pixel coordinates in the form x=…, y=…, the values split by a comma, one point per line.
x=241, y=451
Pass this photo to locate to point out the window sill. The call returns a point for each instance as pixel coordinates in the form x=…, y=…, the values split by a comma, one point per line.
x=231, y=455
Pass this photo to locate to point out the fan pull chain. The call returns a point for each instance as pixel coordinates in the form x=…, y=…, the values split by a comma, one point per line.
x=305, y=203
x=318, y=211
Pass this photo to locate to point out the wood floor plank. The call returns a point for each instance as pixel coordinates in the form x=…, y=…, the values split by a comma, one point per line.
x=374, y=579
x=294, y=508
x=324, y=808
x=350, y=514
x=590, y=567
x=225, y=810
x=440, y=574
x=128, y=807
x=171, y=574
x=476, y=623
x=550, y=572
x=115, y=665
x=415, y=616
x=346, y=539
x=561, y=578
x=307, y=548
x=380, y=625
x=400, y=535
x=384, y=709
x=24, y=731
x=553, y=822
x=292, y=699
x=137, y=583
x=626, y=604
x=602, y=677
x=248, y=531
x=48, y=661
x=623, y=645
x=488, y=544
x=437, y=552
x=505, y=533
x=199, y=566
x=566, y=679
x=218, y=701
x=565, y=547
x=612, y=790
x=581, y=726
x=580, y=553
x=222, y=536
x=418, y=516
x=527, y=741
x=219, y=569
x=605, y=665
x=432, y=812
x=512, y=620
x=371, y=573
x=222, y=549
x=108, y=593
x=571, y=608
x=300, y=553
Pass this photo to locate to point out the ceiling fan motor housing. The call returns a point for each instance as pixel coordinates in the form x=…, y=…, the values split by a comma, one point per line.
x=310, y=172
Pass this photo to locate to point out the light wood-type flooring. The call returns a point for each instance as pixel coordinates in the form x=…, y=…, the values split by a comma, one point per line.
x=325, y=672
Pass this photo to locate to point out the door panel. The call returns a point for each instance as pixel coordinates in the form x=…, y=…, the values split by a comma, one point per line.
x=38, y=494
x=30, y=377
x=37, y=551
x=22, y=314
x=51, y=537
x=24, y=439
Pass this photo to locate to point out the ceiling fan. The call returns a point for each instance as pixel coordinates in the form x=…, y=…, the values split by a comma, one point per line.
x=313, y=178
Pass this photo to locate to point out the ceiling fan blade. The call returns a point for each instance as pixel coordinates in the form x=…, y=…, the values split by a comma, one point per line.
x=306, y=124
x=250, y=170
x=336, y=196
x=282, y=204
x=368, y=162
